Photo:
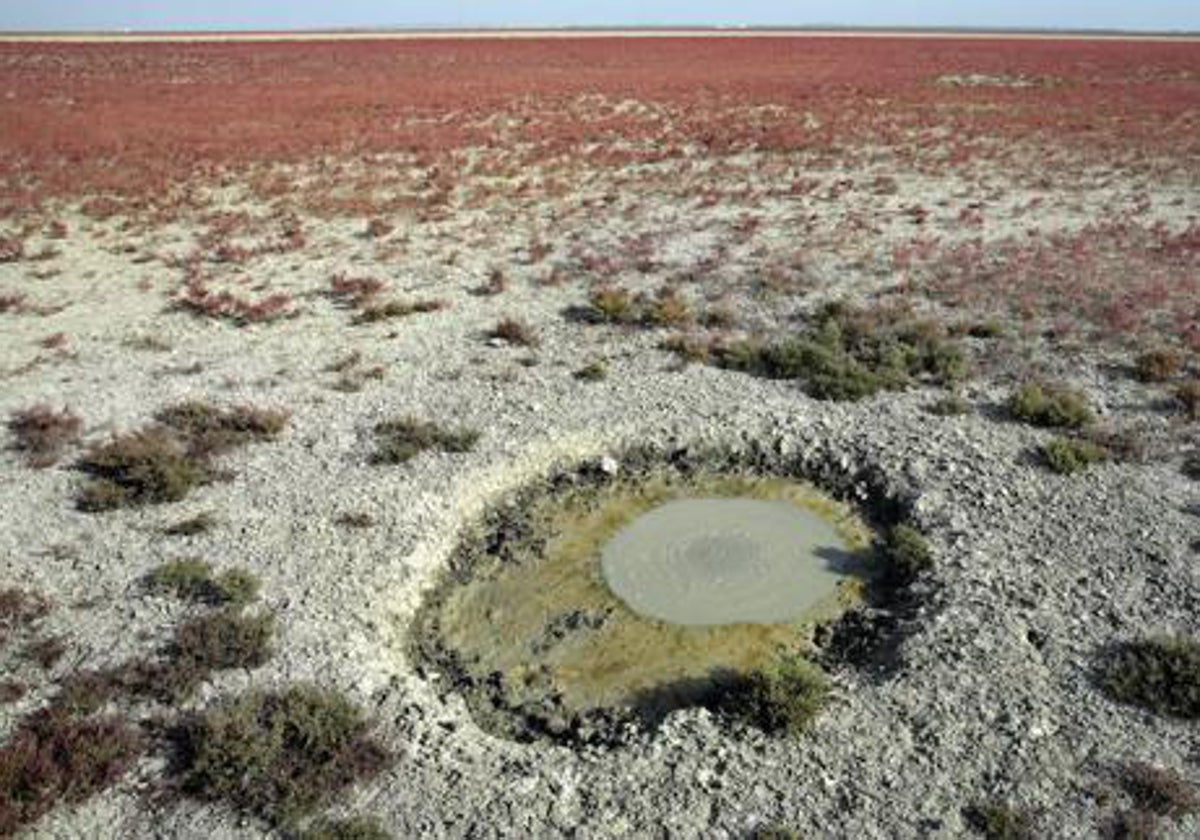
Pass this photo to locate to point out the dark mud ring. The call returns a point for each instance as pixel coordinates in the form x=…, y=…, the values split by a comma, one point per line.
x=867, y=638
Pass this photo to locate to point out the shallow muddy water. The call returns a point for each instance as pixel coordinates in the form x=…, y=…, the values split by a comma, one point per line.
x=725, y=561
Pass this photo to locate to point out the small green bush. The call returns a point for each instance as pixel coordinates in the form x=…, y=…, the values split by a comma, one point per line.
x=237, y=587
x=783, y=698
x=1159, y=674
x=227, y=639
x=907, y=554
x=52, y=757
x=613, y=305
x=1066, y=456
x=1050, y=405
x=139, y=468
x=401, y=440
x=849, y=354
x=592, y=372
x=949, y=406
x=194, y=579
x=209, y=430
x=1000, y=821
x=355, y=828
x=278, y=755
x=375, y=313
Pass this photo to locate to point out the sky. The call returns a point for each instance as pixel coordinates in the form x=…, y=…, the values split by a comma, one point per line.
x=310, y=14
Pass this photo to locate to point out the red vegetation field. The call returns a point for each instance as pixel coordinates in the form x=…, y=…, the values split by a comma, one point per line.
x=130, y=120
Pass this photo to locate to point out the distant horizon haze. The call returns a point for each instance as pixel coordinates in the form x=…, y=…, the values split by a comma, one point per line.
x=270, y=15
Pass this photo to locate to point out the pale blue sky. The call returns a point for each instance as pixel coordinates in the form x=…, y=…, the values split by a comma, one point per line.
x=309, y=14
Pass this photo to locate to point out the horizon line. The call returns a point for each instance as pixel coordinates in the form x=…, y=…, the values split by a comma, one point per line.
x=592, y=30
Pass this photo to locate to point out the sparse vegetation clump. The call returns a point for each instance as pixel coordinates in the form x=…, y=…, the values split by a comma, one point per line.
x=225, y=639
x=592, y=372
x=278, y=755
x=19, y=609
x=43, y=433
x=374, y=313
x=1187, y=397
x=53, y=757
x=616, y=305
x=1067, y=456
x=195, y=579
x=849, y=354
x=399, y=441
x=952, y=405
x=1050, y=406
x=210, y=430
x=1158, y=365
x=355, y=828
x=218, y=641
x=201, y=523
x=163, y=463
x=907, y=554
x=1159, y=790
x=1159, y=674
x=997, y=820
x=515, y=331
x=150, y=466
x=781, y=699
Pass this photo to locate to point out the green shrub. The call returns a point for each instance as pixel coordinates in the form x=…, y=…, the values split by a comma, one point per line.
x=1071, y=455
x=52, y=757
x=355, y=828
x=209, y=430
x=194, y=579
x=783, y=698
x=1049, y=405
x=848, y=354
x=667, y=309
x=1159, y=674
x=278, y=755
x=592, y=372
x=237, y=587
x=191, y=578
x=775, y=832
x=139, y=468
x=1000, y=821
x=227, y=639
x=907, y=554
x=949, y=406
x=375, y=313
x=612, y=304
x=398, y=441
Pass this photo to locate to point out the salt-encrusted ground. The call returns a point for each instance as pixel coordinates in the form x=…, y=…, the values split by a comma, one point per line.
x=993, y=696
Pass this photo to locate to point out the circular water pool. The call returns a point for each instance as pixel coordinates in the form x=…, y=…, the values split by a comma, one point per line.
x=725, y=561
